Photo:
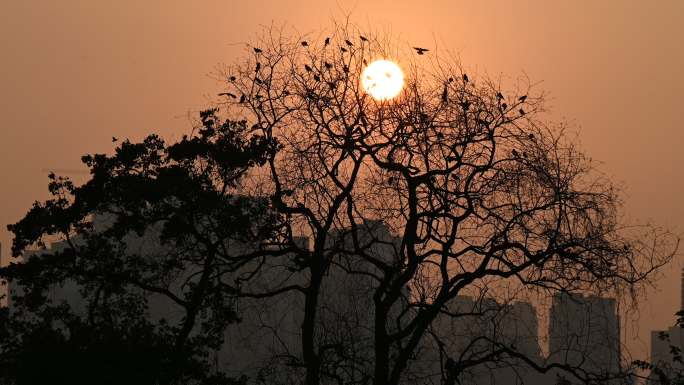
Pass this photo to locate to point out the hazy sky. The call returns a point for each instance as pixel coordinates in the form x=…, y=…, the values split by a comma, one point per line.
x=76, y=73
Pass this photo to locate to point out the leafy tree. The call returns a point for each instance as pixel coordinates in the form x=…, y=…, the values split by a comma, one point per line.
x=155, y=224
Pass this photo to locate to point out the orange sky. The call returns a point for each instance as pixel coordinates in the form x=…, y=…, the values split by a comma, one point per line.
x=76, y=73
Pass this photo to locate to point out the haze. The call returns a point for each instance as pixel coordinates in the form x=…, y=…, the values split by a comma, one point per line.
x=76, y=73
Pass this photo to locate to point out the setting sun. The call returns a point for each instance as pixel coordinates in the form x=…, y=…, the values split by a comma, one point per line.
x=382, y=79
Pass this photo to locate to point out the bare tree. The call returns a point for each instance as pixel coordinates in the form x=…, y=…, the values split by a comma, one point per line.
x=479, y=196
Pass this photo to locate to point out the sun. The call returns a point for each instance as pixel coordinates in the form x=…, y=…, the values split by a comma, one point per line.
x=382, y=79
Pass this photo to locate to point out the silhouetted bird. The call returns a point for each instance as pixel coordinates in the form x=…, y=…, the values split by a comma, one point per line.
x=305, y=43
x=349, y=43
x=445, y=95
x=327, y=41
x=504, y=106
x=317, y=78
x=343, y=49
x=363, y=38
x=522, y=98
x=515, y=153
x=499, y=95
x=465, y=104
x=531, y=136
x=258, y=67
x=242, y=98
x=420, y=51
x=451, y=80
x=465, y=78
x=228, y=94
x=232, y=78
x=327, y=65
x=307, y=67
x=345, y=68
x=114, y=139
x=522, y=112
x=365, y=62
x=257, y=50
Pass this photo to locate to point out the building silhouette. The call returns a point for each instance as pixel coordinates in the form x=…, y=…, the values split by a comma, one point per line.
x=583, y=330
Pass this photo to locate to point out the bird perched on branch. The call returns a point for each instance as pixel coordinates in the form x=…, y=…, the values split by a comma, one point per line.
x=349, y=43
x=363, y=38
x=420, y=51
x=227, y=94
x=257, y=50
x=327, y=41
x=465, y=78
x=305, y=43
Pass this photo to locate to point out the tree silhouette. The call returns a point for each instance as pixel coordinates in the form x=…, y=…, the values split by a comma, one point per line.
x=454, y=188
x=150, y=229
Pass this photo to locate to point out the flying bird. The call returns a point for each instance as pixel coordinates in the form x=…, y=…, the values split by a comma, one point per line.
x=257, y=50
x=420, y=51
x=227, y=94
x=327, y=41
x=305, y=43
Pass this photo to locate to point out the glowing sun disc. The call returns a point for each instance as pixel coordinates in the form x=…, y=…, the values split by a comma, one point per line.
x=382, y=79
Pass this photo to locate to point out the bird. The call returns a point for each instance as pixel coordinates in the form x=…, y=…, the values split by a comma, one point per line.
x=305, y=43
x=242, y=98
x=465, y=104
x=504, y=106
x=258, y=67
x=522, y=112
x=114, y=139
x=327, y=65
x=420, y=51
x=363, y=38
x=232, y=78
x=531, y=136
x=522, y=98
x=345, y=68
x=445, y=95
x=327, y=41
x=307, y=67
x=465, y=78
x=227, y=94
x=499, y=95
x=349, y=43
x=257, y=50
x=317, y=78
x=515, y=153
x=343, y=49
x=451, y=80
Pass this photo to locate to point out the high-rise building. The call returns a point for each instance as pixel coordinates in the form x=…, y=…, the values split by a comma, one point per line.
x=584, y=332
